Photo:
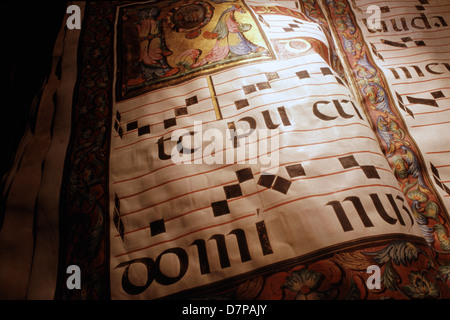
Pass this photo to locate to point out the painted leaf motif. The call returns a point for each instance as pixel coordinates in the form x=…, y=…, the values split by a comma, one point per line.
x=445, y=271
x=250, y=289
x=390, y=278
x=357, y=261
x=399, y=252
x=442, y=237
x=420, y=286
x=354, y=293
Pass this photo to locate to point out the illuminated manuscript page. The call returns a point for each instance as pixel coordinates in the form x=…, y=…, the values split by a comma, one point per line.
x=245, y=150
x=412, y=47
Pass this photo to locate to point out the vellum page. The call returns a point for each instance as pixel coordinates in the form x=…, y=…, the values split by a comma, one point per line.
x=235, y=147
x=411, y=45
x=29, y=234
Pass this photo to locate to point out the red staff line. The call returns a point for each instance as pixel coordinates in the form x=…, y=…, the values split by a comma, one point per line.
x=421, y=38
x=424, y=47
x=261, y=73
x=216, y=169
x=165, y=99
x=427, y=7
x=224, y=150
x=405, y=33
x=186, y=234
x=417, y=54
x=430, y=124
x=266, y=210
x=161, y=122
x=422, y=113
x=176, y=197
x=426, y=91
x=414, y=62
x=335, y=173
x=249, y=215
x=216, y=84
x=378, y=2
x=235, y=115
x=412, y=82
x=285, y=89
x=233, y=181
x=330, y=193
x=161, y=111
x=415, y=13
x=172, y=164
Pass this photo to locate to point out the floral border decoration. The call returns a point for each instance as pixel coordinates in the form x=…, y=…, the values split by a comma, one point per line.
x=408, y=270
x=404, y=267
x=84, y=217
x=399, y=147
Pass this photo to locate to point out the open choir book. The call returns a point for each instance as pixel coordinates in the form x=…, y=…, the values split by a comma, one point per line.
x=234, y=149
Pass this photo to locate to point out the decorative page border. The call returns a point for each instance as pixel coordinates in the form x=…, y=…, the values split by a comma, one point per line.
x=403, y=154
x=337, y=274
x=84, y=222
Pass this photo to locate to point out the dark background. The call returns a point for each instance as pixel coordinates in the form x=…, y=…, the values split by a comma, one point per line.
x=28, y=33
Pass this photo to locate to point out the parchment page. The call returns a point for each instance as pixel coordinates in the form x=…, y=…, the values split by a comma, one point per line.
x=235, y=148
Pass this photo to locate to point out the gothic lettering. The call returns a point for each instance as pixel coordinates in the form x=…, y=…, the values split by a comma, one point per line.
x=346, y=225
x=433, y=68
x=339, y=108
x=420, y=22
x=153, y=267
